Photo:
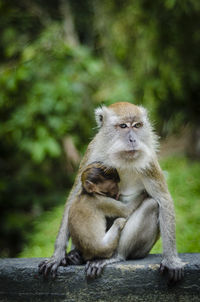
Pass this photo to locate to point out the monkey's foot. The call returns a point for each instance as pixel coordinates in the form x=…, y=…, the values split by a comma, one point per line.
x=50, y=266
x=174, y=269
x=94, y=269
x=74, y=258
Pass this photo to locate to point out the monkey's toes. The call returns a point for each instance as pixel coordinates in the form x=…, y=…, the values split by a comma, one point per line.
x=74, y=258
x=94, y=269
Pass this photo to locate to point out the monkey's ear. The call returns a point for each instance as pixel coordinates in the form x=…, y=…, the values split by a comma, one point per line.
x=144, y=112
x=89, y=186
x=99, y=113
x=104, y=114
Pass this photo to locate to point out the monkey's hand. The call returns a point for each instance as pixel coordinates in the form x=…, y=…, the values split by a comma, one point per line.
x=50, y=266
x=174, y=268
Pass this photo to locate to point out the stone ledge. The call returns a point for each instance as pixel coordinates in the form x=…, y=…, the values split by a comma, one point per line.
x=137, y=280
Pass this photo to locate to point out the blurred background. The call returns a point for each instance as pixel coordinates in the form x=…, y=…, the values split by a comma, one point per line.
x=61, y=59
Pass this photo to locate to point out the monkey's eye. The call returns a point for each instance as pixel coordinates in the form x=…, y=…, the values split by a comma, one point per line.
x=123, y=126
x=138, y=125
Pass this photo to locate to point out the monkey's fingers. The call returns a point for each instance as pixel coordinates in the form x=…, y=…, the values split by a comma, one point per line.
x=94, y=269
x=47, y=268
x=100, y=269
x=93, y=272
x=41, y=263
x=87, y=266
x=88, y=269
x=175, y=275
x=180, y=274
x=74, y=258
x=42, y=266
x=54, y=269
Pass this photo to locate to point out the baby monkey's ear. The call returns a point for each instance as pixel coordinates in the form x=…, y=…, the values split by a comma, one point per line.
x=89, y=186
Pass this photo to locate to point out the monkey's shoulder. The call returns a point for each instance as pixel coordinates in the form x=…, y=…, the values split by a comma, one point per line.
x=84, y=202
x=153, y=170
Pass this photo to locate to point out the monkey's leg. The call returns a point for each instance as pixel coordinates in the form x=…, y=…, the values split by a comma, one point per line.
x=109, y=242
x=105, y=244
x=105, y=249
x=140, y=232
x=137, y=238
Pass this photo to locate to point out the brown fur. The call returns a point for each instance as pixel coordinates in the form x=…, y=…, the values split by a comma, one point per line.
x=125, y=109
x=87, y=215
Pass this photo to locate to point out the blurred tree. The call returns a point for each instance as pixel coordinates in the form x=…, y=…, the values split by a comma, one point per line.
x=49, y=86
x=158, y=43
x=58, y=61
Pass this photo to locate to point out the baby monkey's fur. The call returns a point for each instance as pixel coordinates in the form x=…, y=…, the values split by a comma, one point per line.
x=87, y=215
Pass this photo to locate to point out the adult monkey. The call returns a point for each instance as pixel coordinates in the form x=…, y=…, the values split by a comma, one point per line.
x=126, y=141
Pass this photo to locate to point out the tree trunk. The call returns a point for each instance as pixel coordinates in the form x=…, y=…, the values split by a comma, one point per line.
x=71, y=36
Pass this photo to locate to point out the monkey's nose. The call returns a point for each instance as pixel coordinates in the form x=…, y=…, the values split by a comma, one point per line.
x=132, y=140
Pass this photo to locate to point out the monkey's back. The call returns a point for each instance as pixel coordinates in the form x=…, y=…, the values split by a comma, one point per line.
x=87, y=225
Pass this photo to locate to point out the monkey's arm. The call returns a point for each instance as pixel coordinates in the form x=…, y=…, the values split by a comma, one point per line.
x=59, y=256
x=155, y=184
x=114, y=208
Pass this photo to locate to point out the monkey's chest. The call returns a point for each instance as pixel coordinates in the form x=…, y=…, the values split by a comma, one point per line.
x=130, y=187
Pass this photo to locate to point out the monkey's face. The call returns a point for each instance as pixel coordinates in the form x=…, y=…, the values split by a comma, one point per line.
x=126, y=132
x=108, y=188
x=127, y=140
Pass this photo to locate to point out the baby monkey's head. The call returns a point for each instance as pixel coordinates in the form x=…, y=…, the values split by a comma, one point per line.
x=97, y=178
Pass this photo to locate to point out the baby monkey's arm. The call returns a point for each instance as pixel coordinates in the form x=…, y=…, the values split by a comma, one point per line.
x=114, y=208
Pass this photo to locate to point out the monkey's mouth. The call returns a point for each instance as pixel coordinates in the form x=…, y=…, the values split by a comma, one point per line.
x=130, y=153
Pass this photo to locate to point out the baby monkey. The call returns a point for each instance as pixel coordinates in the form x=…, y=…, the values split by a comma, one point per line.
x=87, y=214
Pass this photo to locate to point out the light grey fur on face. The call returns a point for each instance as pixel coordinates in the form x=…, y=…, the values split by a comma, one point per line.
x=115, y=144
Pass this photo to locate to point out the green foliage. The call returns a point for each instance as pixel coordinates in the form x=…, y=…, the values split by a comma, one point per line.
x=49, y=93
x=48, y=85
x=184, y=185
x=138, y=51
x=158, y=42
x=46, y=228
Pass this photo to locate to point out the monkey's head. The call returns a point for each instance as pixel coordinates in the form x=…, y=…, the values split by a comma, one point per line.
x=126, y=134
x=97, y=178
